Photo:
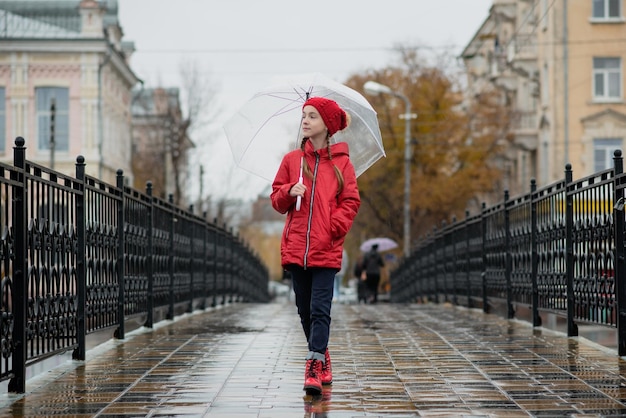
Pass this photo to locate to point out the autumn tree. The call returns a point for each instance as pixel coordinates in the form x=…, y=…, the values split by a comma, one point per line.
x=455, y=148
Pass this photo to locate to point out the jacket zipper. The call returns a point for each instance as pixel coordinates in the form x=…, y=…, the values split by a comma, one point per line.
x=308, y=225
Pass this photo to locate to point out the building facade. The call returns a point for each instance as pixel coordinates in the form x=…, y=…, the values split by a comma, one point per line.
x=560, y=66
x=65, y=84
x=160, y=143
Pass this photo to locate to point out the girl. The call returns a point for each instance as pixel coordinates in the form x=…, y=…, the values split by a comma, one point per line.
x=312, y=240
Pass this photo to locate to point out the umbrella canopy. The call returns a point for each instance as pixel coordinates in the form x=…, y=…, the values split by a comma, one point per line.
x=268, y=125
x=384, y=244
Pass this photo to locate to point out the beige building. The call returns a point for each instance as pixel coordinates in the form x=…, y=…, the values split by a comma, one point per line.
x=63, y=64
x=560, y=67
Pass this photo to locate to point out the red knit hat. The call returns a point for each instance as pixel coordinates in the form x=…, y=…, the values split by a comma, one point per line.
x=334, y=117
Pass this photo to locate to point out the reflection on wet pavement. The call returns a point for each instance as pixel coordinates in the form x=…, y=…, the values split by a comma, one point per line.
x=246, y=360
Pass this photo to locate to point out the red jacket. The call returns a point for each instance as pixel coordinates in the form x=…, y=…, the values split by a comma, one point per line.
x=314, y=235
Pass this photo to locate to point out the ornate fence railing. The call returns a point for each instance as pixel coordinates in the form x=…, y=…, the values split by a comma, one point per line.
x=79, y=256
x=558, y=249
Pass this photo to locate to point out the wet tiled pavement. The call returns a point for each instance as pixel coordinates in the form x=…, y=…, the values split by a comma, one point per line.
x=246, y=360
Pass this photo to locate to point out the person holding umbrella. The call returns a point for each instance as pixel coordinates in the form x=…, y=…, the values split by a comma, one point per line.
x=321, y=204
x=372, y=263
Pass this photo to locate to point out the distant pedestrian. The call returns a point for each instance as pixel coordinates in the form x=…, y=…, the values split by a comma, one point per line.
x=362, y=291
x=322, y=177
x=372, y=263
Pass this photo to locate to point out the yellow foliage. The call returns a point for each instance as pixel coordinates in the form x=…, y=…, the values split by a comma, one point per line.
x=454, y=149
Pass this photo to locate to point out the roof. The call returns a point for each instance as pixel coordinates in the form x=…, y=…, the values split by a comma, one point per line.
x=50, y=19
x=143, y=103
x=486, y=31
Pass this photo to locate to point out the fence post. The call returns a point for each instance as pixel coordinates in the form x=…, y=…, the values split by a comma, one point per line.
x=508, y=258
x=231, y=263
x=237, y=267
x=436, y=245
x=205, y=260
x=225, y=269
x=190, y=231
x=483, y=275
x=150, y=262
x=121, y=271
x=20, y=267
x=454, y=239
x=81, y=280
x=468, y=283
x=170, y=310
x=534, y=258
x=215, y=270
x=442, y=261
x=572, y=328
x=620, y=272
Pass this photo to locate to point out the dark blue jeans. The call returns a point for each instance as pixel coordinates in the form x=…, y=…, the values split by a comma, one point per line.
x=313, y=289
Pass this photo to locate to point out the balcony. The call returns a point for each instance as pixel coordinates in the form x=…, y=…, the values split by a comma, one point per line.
x=525, y=127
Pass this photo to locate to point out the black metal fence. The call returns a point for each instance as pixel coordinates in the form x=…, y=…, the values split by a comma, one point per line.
x=79, y=256
x=558, y=249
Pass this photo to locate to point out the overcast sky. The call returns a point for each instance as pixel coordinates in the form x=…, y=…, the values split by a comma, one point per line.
x=243, y=44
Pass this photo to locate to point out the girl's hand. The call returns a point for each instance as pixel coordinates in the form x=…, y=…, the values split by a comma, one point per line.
x=298, y=189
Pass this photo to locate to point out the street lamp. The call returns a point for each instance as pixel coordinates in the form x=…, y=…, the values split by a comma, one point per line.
x=375, y=88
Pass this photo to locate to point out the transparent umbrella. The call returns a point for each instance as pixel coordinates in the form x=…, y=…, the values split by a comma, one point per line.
x=268, y=125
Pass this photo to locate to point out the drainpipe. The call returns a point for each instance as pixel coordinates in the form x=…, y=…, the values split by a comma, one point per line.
x=107, y=58
x=565, y=87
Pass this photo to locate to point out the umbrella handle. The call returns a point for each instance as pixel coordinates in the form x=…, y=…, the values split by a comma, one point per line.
x=299, y=198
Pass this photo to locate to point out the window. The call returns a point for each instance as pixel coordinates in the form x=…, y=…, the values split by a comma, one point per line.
x=603, y=149
x=607, y=76
x=3, y=125
x=607, y=9
x=45, y=97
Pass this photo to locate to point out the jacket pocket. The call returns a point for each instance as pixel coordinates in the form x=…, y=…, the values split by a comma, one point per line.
x=332, y=208
x=287, y=227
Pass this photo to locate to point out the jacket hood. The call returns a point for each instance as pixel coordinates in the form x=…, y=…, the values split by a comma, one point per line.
x=340, y=148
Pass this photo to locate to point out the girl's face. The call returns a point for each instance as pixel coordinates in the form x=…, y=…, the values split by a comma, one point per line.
x=312, y=123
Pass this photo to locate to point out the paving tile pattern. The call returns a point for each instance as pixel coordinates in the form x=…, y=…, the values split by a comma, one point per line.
x=246, y=361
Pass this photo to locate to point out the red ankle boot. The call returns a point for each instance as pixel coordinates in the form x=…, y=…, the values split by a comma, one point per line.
x=312, y=377
x=327, y=370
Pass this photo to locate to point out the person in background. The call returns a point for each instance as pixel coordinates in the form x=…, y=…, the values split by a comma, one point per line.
x=312, y=241
x=372, y=263
x=360, y=277
x=340, y=275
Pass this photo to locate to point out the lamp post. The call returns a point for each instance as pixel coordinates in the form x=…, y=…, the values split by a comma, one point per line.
x=375, y=88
